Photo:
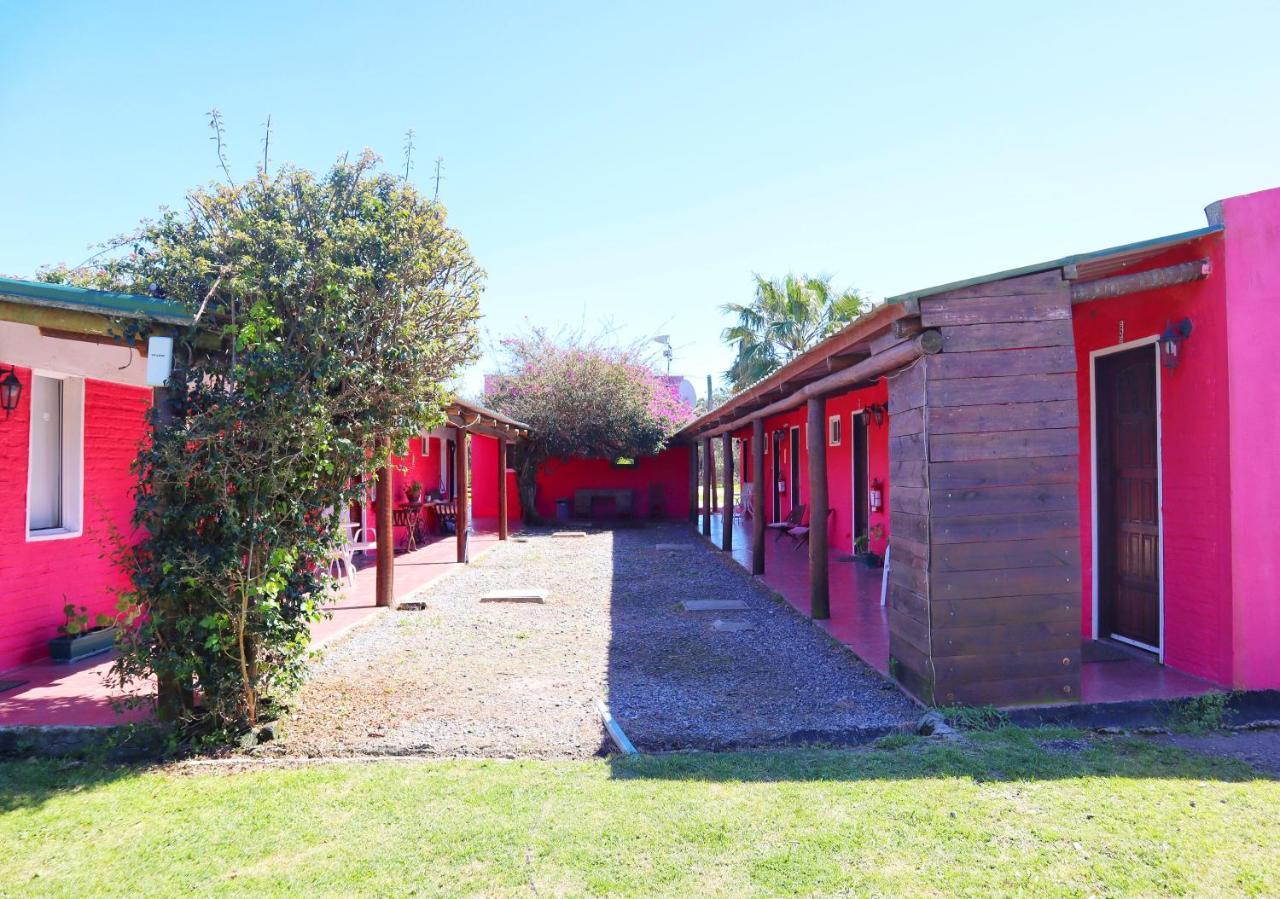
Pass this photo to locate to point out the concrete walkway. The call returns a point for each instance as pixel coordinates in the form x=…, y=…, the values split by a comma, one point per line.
x=79, y=696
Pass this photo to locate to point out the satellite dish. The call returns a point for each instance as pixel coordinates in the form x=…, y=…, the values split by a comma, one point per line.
x=664, y=339
x=688, y=395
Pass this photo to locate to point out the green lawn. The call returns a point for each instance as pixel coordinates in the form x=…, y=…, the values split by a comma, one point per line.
x=997, y=816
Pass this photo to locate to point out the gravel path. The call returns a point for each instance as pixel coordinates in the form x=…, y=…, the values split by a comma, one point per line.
x=466, y=678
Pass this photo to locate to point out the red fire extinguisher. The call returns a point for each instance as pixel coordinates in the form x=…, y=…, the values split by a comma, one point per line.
x=876, y=496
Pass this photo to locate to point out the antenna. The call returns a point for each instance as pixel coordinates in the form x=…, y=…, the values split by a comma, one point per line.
x=667, y=352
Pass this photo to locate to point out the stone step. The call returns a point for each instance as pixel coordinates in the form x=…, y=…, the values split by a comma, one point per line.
x=516, y=594
x=713, y=605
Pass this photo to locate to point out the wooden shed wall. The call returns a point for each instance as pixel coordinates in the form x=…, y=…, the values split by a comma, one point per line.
x=985, y=580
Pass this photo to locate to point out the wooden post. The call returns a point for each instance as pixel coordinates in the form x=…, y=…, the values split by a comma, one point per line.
x=708, y=476
x=819, y=591
x=757, y=496
x=726, y=532
x=463, y=481
x=502, y=488
x=384, y=591
x=693, y=483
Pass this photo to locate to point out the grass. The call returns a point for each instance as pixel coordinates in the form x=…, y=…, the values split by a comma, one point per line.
x=995, y=814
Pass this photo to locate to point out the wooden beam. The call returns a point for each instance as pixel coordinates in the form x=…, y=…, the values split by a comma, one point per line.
x=462, y=479
x=819, y=589
x=726, y=530
x=757, y=496
x=1121, y=285
x=384, y=588
x=502, y=489
x=708, y=476
x=926, y=343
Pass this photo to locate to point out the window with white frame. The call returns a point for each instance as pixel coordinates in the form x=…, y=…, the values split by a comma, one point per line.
x=833, y=430
x=55, y=499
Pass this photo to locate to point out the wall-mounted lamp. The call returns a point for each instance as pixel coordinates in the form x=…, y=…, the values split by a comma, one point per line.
x=10, y=391
x=876, y=413
x=1173, y=335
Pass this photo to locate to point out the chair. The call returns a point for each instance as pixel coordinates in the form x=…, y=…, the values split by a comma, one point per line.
x=791, y=521
x=744, y=509
x=447, y=516
x=801, y=534
x=354, y=539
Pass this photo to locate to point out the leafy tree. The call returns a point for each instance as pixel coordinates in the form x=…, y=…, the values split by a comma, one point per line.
x=786, y=317
x=581, y=398
x=331, y=309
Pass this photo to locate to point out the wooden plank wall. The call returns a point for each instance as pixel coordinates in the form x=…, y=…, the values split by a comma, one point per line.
x=985, y=590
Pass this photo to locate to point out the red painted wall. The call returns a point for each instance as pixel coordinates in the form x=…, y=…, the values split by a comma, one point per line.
x=1196, y=481
x=669, y=469
x=37, y=575
x=1252, y=281
x=839, y=463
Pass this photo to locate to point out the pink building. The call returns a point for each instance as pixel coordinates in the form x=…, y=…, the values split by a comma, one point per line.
x=1075, y=461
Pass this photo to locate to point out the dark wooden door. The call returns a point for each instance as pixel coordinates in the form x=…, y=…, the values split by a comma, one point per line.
x=777, y=476
x=860, y=508
x=451, y=464
x=1128, y=497
x=794, y=486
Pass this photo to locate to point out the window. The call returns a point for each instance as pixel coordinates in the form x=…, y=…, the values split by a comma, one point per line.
x=833, y=430
x=624, y=462
x=54, y=475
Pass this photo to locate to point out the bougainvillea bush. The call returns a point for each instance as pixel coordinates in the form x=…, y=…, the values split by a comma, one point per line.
x=581, y=397
x=331, y=309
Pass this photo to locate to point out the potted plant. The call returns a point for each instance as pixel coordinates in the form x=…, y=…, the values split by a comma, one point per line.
x=413, y=492
x=78, y=639
x=862, y=547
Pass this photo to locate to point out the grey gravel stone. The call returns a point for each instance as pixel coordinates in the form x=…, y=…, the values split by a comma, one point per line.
x=466, y=678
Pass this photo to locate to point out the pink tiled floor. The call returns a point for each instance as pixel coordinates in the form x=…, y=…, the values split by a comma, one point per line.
x=859, y=622
x=77, y=695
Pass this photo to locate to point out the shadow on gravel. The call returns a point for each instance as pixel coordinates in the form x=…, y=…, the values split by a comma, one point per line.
x=756, y=676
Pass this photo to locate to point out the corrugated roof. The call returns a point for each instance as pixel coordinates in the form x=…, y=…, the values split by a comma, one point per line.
x=101, y=302
x=1096, y=264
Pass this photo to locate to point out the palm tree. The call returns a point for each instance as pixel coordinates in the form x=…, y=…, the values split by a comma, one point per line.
x=787, y=317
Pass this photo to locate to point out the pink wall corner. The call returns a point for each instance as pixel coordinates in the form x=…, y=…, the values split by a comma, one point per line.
x=1194, y=457
x=1253, y=299
x=41, y=577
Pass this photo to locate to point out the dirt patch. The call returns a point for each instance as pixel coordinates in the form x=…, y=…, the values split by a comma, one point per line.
x=466, y=678
x=1259, y=748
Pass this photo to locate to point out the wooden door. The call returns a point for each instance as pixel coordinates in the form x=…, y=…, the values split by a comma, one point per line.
x=1128, y=497
x=777, y=476
x=451, y=469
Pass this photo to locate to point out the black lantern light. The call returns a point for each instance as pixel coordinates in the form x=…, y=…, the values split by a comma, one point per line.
x=10, y=392
x=876, y=413
x=1173, y=335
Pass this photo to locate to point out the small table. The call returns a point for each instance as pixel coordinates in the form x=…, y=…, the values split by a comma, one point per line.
x=408, y=517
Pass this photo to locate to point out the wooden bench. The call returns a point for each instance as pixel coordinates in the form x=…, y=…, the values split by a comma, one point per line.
x=623, y=501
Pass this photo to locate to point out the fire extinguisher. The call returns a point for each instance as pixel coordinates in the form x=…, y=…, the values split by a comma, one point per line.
x=876, y=496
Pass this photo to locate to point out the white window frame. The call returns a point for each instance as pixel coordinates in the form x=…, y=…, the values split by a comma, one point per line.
x=835, y=430
x=73, y=390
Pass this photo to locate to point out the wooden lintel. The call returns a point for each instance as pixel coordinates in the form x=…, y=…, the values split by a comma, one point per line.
x=1122, y=285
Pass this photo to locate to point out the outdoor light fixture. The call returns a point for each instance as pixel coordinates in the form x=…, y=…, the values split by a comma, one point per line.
x=876, y=413
x=10, y=391
x=1173, y=335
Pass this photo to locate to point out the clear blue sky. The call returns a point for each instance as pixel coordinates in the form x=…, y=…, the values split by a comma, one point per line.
x=635, y=167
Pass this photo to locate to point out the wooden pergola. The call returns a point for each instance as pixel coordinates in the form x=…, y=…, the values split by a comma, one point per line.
x=465, y=419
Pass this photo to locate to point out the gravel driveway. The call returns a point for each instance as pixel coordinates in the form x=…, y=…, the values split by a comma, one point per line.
x=466, y=678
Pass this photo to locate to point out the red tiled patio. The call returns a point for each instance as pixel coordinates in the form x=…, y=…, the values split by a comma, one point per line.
x=77, y=695
x=860, y=623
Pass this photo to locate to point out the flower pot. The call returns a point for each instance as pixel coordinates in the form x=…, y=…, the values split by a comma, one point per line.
x=73, y=649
